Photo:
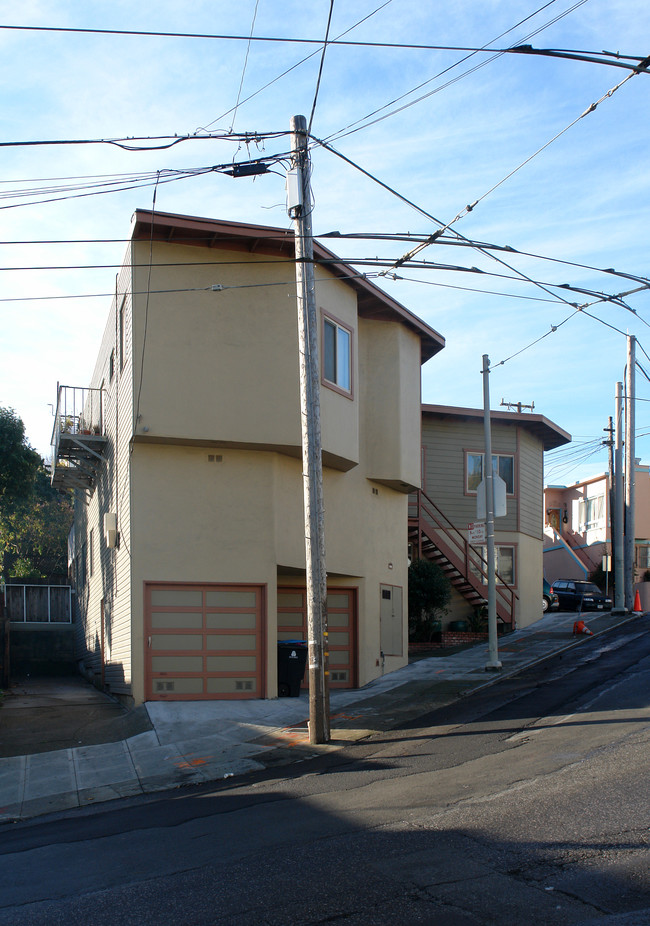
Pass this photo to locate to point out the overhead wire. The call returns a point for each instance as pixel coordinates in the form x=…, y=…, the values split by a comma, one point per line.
x=357, y=125
x=150, y=178
x=320, y=68
x=616, y=59
x=469, y=208
x=241, y=82
x=297, y=64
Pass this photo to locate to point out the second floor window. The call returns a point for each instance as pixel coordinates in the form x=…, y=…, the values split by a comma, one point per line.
x=591, y=513
x=337, y=355
x=502, y=465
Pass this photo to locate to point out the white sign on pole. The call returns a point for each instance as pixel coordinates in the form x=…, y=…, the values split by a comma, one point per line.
x=499, y=498
x=476, y=532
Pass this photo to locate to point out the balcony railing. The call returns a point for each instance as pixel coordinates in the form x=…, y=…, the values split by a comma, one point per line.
x=78, y=437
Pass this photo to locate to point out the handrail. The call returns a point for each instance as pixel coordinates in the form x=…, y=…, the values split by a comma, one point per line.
x=580, y=549
x=430, y=516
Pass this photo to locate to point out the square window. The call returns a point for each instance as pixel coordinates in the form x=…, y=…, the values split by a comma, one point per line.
x=503, y=465
x=504, y=565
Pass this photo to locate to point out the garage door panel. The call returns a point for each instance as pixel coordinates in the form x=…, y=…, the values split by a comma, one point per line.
x=173, y=687
x=225, y=641
x=177, y=663
x=229, y=620
x=170, y=597
x=176, y=641
x=204, y=642
x=230, y=687
x=230, y=599
x=163, y=620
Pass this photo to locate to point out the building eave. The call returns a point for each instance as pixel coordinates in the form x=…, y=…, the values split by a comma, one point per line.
x=549, y=433
x=373, y=303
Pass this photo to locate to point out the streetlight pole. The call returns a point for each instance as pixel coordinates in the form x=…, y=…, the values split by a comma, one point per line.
x=630, y=425
x=299, y=187
x=493, y=664
x=619, y=554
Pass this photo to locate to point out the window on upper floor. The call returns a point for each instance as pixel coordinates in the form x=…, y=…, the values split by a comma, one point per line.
x=503, y=465
x=591, y=513
x=337, y=355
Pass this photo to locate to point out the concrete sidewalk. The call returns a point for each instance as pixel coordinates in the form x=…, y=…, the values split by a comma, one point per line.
x=200, y=741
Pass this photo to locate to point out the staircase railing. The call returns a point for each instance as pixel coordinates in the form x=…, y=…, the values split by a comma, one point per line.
x=434, y=524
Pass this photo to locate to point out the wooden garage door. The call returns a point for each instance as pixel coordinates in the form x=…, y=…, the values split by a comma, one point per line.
x=204, y=642
x=341, y=625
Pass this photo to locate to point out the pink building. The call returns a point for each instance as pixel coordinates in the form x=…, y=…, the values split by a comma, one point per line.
x=578, y=526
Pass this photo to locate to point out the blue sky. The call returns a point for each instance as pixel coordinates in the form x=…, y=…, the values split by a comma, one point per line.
x=584, y=199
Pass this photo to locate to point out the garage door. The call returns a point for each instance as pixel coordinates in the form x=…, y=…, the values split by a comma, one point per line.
x=341, y=621
x=204, y=642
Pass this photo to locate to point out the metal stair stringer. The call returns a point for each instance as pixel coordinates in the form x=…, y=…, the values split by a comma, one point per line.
x=435, y=538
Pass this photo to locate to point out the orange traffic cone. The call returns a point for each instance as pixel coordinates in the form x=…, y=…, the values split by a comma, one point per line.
x=637, y=603
x=581, y=627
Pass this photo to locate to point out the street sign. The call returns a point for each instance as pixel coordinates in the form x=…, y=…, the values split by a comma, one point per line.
x=499, y=498
x=476, y=532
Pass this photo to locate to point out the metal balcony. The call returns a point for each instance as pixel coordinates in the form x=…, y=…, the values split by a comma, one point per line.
x=78, y=438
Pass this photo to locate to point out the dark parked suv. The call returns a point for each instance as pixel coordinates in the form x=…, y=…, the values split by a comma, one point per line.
x=574, y=595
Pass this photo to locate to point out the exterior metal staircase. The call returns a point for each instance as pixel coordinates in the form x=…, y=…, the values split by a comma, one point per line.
x=433, y=536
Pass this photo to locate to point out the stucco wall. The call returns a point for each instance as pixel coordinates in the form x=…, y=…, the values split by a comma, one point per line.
x=240, y=520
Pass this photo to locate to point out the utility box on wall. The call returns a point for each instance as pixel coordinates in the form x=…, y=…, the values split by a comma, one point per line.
x=392, y=620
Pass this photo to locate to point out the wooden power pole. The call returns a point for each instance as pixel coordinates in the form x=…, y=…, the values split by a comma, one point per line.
x=299, y=203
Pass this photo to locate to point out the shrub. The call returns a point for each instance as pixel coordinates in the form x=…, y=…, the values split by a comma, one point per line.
x=429, y=594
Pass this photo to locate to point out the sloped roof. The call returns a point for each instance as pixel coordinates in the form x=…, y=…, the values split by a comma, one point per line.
x=550, y=434
x=261, y=239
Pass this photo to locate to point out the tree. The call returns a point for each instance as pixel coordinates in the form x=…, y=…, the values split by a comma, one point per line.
x=429, y=594
x=19, y=462
x=35, y=518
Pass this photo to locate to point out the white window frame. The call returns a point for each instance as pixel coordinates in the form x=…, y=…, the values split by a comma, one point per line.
x=591, y=513
x=340, y=377
x=496, y=459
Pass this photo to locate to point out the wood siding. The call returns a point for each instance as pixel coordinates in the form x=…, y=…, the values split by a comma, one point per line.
x=531, y=485
x=445, y=443
x=109, y=570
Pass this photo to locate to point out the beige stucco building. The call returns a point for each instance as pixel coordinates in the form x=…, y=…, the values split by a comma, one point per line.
x=188, y=548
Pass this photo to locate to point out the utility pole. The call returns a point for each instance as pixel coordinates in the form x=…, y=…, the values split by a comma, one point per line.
x=629, y=471
x=518, y=405
x=619, y=555
x=609, y=443
x=299, y=202
x=493, y=665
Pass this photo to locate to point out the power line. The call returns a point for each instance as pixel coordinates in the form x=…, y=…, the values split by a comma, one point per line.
x=126, y=143
x=615, y=59
x=404, y=236
x=469, y=208
x=248, y=48
x=299, y=63
x=320, y=68
x=153, y=178
x=357, y=126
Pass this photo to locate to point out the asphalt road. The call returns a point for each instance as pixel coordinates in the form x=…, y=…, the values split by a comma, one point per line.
x=527, y=803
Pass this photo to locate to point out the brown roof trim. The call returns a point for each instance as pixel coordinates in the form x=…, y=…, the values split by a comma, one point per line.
x=278, y=242
x=550, y=434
